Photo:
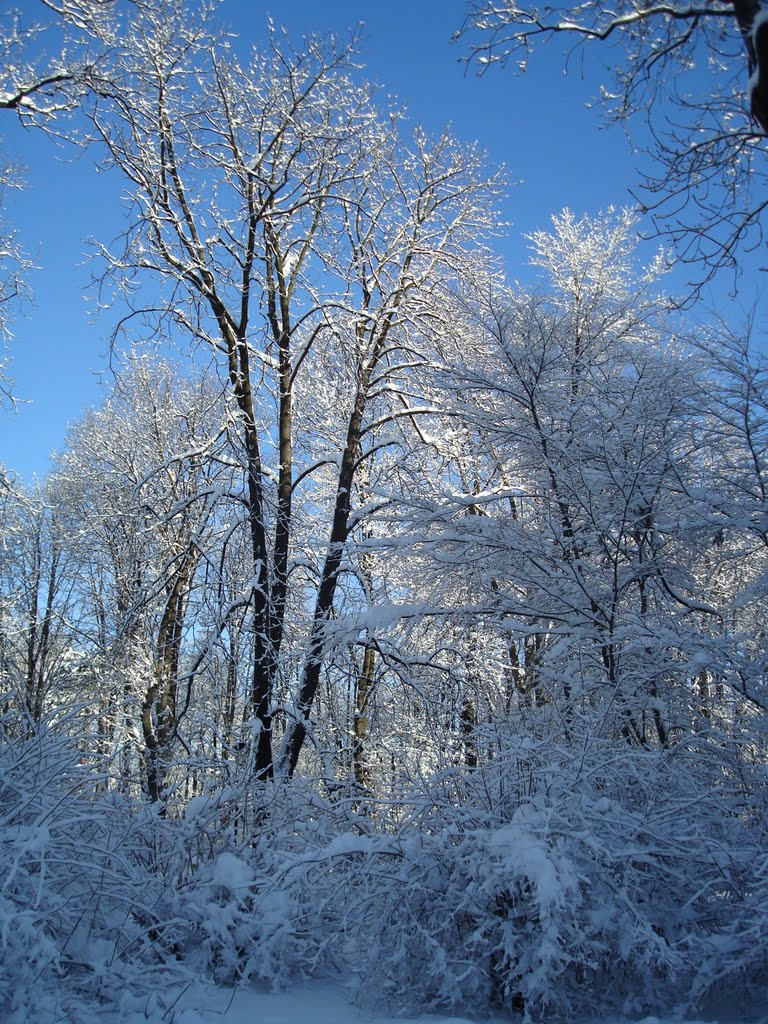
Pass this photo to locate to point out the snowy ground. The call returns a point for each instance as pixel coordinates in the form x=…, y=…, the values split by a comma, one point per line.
x=318, y=1003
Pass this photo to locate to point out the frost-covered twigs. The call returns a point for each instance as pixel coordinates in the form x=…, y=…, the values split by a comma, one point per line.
x=48, y=69
x=82, y=918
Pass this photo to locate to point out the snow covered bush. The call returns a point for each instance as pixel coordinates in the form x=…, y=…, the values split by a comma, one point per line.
x=555, y=881
x=86, y=913
x=103, y=900
x=620, y=884
x=257, y=889
x=613, y=881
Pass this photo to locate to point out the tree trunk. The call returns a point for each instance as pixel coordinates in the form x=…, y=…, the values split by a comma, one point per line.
x=158, y=713
x=363, y=693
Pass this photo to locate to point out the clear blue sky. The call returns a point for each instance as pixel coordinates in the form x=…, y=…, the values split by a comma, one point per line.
x=537, y=125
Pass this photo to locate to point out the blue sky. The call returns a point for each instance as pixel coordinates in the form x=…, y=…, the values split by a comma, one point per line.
x=537, y=125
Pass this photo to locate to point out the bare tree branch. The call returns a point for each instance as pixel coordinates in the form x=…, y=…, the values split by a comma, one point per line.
x=708, y=147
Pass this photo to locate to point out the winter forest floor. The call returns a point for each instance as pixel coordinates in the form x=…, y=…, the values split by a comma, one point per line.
x=316, y=1003
x=329, y=1003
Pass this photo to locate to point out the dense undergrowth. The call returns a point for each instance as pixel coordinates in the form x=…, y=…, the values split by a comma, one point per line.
x=559, y=880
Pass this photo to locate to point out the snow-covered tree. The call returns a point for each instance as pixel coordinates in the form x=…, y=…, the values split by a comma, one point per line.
x=296, y=232
x=36, y=654
x=138, y=483
x=581, y=537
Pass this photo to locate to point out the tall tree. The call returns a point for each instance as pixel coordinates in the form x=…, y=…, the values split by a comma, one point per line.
x=139, y=483
x=582, y=538
x=293, y=231
x=35, y=602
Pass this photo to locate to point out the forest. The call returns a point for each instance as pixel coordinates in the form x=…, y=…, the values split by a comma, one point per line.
x=388, y=620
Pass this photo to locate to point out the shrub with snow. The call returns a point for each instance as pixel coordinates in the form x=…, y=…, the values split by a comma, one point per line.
x=592, y=884
x=86, y=913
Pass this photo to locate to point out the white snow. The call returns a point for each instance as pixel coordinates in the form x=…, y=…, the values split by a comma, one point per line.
x=232, y=873
x=348, y=843
x=519, y=845
x=320, y=1002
